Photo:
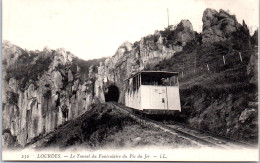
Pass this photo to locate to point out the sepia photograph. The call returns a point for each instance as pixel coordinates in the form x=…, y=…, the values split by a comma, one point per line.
x=130, y=80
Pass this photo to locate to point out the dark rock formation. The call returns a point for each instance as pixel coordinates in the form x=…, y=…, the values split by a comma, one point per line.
x=220, y=26
x=184, y=33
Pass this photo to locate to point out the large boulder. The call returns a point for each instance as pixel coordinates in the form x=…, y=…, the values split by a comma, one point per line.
x=8, y=140
x=218, y=26
x=184, y=32
x=123, y=49
x=246, y=114
x=10, y=53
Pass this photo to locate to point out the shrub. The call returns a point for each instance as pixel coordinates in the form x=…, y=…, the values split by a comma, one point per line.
x=84, y=67
x=25, y=69
x=12, y=98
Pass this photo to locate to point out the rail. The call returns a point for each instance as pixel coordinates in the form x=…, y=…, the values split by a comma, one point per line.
x=199, y=137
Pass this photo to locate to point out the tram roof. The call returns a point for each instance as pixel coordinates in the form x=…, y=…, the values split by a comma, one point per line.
x=152, y=74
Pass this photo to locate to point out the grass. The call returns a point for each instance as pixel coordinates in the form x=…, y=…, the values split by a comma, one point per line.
x=214, y=99
x=105, y=127
x=191, y=63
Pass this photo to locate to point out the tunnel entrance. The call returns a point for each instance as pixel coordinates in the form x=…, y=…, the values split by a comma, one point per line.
x=112, y=93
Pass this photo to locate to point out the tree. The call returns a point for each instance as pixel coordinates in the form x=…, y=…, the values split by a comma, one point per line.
x=12, y=98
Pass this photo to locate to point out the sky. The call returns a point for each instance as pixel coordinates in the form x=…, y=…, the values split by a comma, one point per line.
x=96, y=28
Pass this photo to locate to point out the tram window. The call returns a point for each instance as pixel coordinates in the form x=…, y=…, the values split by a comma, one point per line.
x=173, y=81
x=138, y=84
x=166, y=81
x=134, y=84
x=128, y=86
x=170, y=81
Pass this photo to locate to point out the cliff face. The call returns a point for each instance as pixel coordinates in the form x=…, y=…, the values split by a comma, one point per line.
x=131, y=58
x=41, y=90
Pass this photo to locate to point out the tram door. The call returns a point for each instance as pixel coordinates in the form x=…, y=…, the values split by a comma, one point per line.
x=159, y=98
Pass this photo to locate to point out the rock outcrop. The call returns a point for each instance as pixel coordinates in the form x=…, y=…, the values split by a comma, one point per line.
x=184, y=32
x=45, y=100
x=246, y=114
x=131, y=58
x=219, y=26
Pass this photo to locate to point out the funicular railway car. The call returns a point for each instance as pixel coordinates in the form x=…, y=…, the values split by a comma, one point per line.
x=153, y=92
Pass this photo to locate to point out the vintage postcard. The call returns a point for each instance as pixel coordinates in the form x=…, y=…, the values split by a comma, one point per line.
x=130, y=80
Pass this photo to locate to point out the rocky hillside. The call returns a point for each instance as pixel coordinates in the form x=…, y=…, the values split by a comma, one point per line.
x=105, y=127
x=150, y=50
x=218, y=72
x=43, y=89
x=218, y=78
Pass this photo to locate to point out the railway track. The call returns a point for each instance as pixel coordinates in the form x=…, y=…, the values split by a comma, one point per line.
x=220, y=140
x=198, y=137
